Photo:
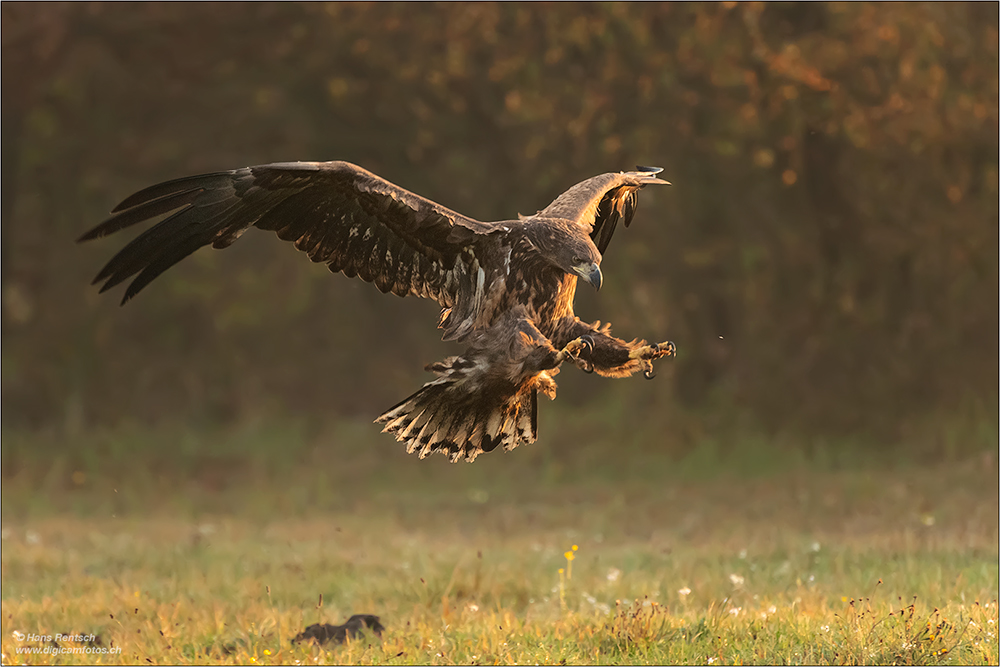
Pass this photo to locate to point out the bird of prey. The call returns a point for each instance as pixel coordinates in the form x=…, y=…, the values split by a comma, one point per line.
x=506, y=288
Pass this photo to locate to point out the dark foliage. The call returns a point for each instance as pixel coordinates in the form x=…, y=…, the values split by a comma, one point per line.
x=826, y=260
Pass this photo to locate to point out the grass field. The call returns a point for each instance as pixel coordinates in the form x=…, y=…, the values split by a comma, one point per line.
x=546, y=555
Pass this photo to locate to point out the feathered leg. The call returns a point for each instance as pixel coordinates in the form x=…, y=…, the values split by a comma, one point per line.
x=610, y=356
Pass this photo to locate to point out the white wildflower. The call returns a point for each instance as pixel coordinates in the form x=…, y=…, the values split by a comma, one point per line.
x=684, y=592
x=736, y=579
x=614, y=574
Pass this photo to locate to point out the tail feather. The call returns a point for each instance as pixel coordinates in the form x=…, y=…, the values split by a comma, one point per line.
x=461, y=416
x=411, y=429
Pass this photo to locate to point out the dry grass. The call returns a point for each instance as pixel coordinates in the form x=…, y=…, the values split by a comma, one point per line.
x=223, y=560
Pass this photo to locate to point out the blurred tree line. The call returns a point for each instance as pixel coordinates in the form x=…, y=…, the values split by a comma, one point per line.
x=826, y=260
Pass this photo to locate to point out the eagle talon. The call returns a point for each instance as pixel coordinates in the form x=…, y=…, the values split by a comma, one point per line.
x=644, y=353
x=667, y=349
x=647, y=370
x=574, y=347
x=651, y=352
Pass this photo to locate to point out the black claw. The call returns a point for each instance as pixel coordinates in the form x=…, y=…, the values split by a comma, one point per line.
x=649, y=374
x=589, y=342
x=586, y=366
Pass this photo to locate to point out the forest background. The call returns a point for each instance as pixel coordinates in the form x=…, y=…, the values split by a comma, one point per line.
x=826, y=260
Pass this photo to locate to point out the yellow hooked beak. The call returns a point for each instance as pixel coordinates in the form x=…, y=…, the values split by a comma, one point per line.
x=590, y=272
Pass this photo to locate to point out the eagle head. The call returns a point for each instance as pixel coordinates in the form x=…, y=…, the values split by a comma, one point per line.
x=567, y=246
x=588, y=268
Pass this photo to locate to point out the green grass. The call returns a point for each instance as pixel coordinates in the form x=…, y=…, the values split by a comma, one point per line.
x=216, y=548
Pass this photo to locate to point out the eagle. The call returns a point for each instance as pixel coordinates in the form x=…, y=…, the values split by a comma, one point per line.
x=505, y=288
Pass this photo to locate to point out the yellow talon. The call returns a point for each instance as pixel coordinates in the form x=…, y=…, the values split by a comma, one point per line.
x=573, y=348
x=650, y=352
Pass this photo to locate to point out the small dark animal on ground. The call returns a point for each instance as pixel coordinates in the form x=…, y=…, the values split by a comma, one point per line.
x=322, y=633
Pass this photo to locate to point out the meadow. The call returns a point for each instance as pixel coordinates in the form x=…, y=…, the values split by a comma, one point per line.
x=152, y=550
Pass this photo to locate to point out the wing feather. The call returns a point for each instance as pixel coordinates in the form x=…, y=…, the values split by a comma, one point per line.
x=336, y=212
x=599, y=203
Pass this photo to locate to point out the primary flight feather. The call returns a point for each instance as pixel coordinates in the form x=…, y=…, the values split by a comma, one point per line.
x=505, y=288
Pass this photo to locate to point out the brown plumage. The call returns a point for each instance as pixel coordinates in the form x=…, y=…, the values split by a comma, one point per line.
x=505, y=288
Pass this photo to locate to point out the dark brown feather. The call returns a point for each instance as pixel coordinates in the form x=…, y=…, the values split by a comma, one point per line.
x=311, y=204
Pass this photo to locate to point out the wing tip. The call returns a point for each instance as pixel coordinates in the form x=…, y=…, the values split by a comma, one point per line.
x=649, y=175
x=98, y=232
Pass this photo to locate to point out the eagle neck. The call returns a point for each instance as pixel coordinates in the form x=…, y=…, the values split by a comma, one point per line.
x=544, y=288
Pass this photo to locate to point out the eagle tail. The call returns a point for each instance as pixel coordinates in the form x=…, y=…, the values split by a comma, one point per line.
x=462, y=416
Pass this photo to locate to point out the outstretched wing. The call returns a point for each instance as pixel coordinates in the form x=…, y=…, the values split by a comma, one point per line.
x=600, y=202
x=336, y=212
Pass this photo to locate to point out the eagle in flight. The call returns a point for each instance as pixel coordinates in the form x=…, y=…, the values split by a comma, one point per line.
x=505, y=288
